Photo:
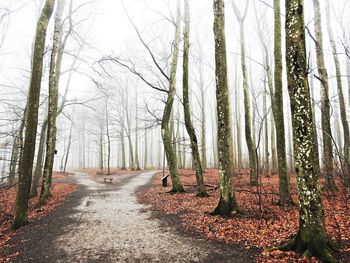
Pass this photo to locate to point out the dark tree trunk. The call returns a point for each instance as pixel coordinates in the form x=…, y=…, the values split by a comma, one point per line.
x=26, y=164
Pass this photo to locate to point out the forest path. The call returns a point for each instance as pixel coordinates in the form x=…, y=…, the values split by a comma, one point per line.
x=105, y=223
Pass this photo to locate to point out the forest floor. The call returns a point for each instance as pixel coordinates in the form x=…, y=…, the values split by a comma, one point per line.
x=104, y=222
x=60, y=193
x=263, y=224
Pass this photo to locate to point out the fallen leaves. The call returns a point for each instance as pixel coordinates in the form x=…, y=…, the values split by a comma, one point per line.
x=59, y=193
x=264, y=224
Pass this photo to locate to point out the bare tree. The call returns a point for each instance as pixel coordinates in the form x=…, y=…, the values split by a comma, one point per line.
x=26, y=161
x=247, y=114
x=227, y=203
x=325, y=103
x=311, y=239
x=54, y=77
x=186, y=105
x=343, y=115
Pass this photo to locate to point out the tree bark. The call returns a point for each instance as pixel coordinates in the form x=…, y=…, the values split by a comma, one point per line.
x=311, y=238
x=284, y=177
x=325, y=103
x=26, y=164
x=54, y=77
x=166, y=131
x=186, y=105
x=39, y=160
x=343, y=117
x=227, y=202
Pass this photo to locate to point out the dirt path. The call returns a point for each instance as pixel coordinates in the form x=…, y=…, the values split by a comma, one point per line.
x=104, y=223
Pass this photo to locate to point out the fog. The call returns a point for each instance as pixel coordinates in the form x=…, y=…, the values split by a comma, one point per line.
x=102, y=95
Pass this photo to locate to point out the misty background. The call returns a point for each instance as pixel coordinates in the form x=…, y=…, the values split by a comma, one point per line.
x=102, y=95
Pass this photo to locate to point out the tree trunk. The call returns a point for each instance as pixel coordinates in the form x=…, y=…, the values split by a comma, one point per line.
x=227, y=203
x=325, y=103
x=184, y=155
x=16, y=150
x=343, y=117
x=122, y=144
x=137, y=162
x=266, y=135
x=145, y=158
x=128, y=134
x=247, y=114
x=284, y=177
x=166, y=131
x=108, y=139
x=39, y=160
x=237, y=122
x=68, y=148
x=203, y=127
x=179, y=142
x=274, y=162
x=311, y=238
x=26, y=164
x=187, y=110
x=54, y=77
x=101, y=151
x=214, y=138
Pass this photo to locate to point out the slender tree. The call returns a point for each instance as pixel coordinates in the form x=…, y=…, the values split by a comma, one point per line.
x=26, y=164
x=166, y=130
x=249, y=134
x=343, y=115
x=68, y=148
x=16, y=149
x=277, y=96
x=227, y=203
x=137, y=162
x=108, y=135
x=186, y=105
x=311, y=238
x=325, y=103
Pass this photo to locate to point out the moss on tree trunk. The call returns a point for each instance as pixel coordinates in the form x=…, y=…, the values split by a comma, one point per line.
x=284, y=177
x=54, y=77
x=26, y=164
x=227, y=203
x=311, y=239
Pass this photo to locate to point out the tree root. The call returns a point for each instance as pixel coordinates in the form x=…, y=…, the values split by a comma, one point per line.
x=202, y=194
x=223, y=210
x=176, y=191
x=289, y=203
x=297, y=245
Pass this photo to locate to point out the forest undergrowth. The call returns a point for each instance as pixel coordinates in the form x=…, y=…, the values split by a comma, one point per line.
x=263, y=224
